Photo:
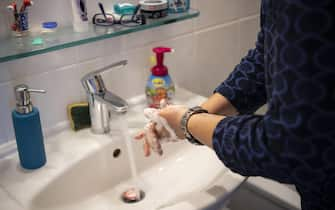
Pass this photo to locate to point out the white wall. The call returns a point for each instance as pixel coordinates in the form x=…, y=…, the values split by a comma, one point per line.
x=207, y=49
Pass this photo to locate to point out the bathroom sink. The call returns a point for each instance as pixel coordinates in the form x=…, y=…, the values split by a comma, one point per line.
x=87, y=171
x=97, y=181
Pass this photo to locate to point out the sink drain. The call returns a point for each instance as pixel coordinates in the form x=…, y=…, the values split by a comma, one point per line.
x=133, y=195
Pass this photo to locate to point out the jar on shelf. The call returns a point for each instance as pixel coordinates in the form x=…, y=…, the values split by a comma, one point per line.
x=49, y=32
x=177, y=6
x=20, y=24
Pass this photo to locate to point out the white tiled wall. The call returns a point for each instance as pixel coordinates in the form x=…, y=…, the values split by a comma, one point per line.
x=207, y=49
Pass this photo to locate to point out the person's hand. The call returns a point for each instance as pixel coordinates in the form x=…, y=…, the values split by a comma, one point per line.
x=152, y=136
x=173, y=114
x=160, y=129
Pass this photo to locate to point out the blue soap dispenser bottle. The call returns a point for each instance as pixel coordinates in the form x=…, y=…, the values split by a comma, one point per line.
x=28, y=131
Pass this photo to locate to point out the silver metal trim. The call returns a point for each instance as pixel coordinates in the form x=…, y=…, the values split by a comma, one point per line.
x=101, y=101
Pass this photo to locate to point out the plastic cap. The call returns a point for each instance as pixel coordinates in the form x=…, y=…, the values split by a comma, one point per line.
x=159, y=69
x=50, y=25
x=160, y=50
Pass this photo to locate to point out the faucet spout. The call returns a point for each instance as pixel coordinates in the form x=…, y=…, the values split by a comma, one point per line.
x=101, y=101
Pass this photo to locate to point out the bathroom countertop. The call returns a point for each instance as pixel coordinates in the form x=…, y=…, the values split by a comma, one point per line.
x=7, y=202
x=274, y=190
x=64, y=149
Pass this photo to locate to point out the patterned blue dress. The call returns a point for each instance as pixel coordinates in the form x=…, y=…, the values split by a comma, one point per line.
x=292, y=69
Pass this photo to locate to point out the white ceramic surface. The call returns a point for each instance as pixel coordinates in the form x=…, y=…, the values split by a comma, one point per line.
x=285, y=194
x=81, y=172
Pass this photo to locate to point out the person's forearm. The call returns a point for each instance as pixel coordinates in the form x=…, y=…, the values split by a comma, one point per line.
x=218, y=104
x=202, y=127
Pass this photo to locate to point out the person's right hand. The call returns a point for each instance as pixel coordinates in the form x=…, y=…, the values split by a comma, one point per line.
x=163, y=127
x=151, y=139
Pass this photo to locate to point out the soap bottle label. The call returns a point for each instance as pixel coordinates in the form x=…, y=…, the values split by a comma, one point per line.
x=159, y=88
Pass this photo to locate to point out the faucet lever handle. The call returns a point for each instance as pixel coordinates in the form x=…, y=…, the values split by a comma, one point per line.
x=93, y=82
x=36, y=91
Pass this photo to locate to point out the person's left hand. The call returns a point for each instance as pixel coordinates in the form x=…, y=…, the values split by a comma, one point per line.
x=153, y=134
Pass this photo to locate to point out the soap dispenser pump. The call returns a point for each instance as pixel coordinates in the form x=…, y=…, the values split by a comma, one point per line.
x=160, y=85
x=28, y=131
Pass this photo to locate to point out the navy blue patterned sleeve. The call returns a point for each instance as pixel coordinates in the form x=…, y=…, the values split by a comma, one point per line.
x=294, y=142
x=245, y=86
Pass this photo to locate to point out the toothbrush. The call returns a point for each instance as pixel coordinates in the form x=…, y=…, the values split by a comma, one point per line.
x=12, y=7
x=102, y=10
x=83, y=10
x=26, y=3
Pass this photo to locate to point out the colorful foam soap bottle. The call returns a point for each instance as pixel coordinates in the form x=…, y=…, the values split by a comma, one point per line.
x=160, y=85
x=28, y=131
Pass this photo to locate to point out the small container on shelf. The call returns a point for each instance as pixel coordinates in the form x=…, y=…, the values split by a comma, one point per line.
x=154, y=9
x=177, y=6
x=20, y=27
x=49, y=31
x=49, y=27
x=20, y=22
x=79, y=15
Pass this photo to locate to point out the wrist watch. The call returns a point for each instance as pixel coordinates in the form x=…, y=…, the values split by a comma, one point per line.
x=184, y=120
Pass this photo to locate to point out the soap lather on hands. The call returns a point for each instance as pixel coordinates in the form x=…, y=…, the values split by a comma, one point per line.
x=163, y=126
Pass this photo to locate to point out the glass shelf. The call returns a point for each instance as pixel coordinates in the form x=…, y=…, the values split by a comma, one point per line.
x=16, y=48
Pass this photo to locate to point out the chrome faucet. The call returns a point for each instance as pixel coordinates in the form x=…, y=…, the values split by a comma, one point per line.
x=100, y=100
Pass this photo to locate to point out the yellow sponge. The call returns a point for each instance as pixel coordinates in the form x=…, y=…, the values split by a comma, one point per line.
x=79, y=115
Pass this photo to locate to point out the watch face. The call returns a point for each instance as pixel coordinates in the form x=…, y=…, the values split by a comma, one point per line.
x=198, y=109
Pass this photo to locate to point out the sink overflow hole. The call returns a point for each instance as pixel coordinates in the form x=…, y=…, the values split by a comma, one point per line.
x=116, y=153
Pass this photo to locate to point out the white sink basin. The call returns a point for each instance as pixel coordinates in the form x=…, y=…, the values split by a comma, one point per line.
x=100, y=179
x=82, y=173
